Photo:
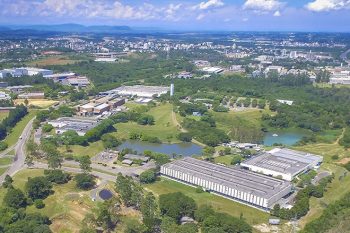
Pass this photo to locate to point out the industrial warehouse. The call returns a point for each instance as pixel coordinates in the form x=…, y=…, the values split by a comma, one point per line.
x=238, y=184
x=138, y=90
x=81, y=126
x=283, y=163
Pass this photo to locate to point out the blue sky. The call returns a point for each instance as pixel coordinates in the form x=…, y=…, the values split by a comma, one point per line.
x=249, y=15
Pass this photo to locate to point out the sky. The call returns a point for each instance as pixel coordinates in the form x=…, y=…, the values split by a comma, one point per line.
x=217, y=15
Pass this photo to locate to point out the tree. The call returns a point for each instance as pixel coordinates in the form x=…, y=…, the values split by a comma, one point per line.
x=85, y=163
x=39, y=204
x=149, y=212
x=109, y=141
x=130, y=192
x=47, y=128
x=148, y=176
x=57, y=176
x=7, y=182
x=185, y=137
x=176, y=205
x=85, y=181
x=26, y=102
x=38, y=187
x=15, y=198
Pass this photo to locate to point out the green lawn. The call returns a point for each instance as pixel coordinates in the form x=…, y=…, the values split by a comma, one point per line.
x=225, y=159
x=12, y=138
x=20, y=179
x=91, y=150
x=5, y=161
x=164, y=128
x=2, y=170
x=227, y=120
x=253, y=216
x=3, y=115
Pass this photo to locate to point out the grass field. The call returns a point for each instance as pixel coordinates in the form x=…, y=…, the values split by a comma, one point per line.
x=41, y=103
x=2, y=170
x=12, y=138
x=3, y=115
x=91, y=150
x=5, y=161
x=164, y=128
x=66, y=207
x=227, y=120
x=225, y=159
x=252, y=216
x=326, y=150
x=339, y=187
x=53, y=60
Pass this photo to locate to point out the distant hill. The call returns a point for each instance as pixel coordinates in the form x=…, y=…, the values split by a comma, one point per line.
x=68, y=28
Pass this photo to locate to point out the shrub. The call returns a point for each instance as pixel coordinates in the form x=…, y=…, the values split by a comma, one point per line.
x=148, y=176
x=39, y=204
x=85, y=181
x=3, y=146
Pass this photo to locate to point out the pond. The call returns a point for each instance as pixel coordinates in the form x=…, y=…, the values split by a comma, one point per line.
x=185, y=149
x=287, y=138
x=105, y=194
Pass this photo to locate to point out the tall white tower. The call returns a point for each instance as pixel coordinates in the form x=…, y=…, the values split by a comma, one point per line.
x=172, y=89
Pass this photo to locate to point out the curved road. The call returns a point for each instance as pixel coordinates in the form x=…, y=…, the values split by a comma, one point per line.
x=344, y=56
x=20, y=155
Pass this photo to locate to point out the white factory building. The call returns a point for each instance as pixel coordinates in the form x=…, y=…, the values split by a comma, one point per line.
x=232, y=182
x=139, y=91
x=283, y=163
x=19, y=72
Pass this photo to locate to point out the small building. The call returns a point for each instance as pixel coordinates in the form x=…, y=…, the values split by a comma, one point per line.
x=213, y=70
x=274, y=221
x=186, y=219
x=144, y=159
x=4, y=96
x=288, y=102
x=127, y=162
x=184, y=75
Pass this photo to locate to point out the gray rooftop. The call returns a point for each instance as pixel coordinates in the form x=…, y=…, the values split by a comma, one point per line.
x=233, y=177
x=278, y=164
x=297, y=155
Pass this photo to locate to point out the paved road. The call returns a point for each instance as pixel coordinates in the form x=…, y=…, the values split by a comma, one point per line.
x=20, y=155
x=344, y=56
x=101, y=175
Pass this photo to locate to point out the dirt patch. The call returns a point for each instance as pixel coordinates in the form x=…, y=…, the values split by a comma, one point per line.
x=343, y=161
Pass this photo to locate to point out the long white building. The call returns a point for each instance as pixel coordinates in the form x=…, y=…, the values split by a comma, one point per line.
x=238, y=184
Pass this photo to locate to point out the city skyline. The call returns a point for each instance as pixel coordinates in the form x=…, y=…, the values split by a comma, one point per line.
x=240, y=15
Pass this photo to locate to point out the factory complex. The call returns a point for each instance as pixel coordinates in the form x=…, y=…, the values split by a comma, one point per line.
x=261, y=181
x=238, y=184
x=100, y=106
x=138, y=90
x=81, y=126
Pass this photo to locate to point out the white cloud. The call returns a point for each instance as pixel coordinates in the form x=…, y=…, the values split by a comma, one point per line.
x=263, y=5
x=209, y=4
x=114, y=9
x=277, y=14
x=200, y=17
x=328, y=5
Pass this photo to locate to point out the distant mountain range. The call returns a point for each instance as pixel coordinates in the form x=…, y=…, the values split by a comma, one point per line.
x=66, y=28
